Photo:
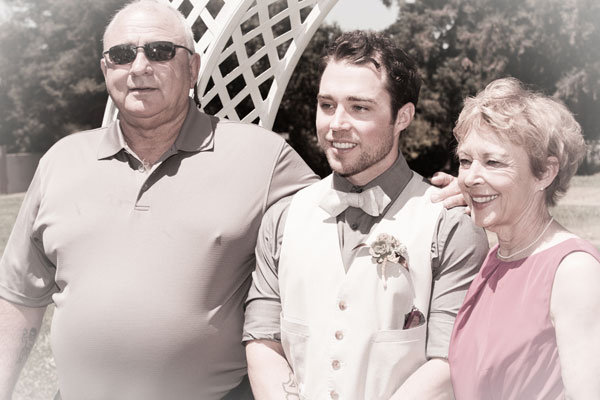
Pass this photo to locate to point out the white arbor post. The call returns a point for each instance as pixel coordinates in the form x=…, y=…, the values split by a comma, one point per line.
x=249, y=49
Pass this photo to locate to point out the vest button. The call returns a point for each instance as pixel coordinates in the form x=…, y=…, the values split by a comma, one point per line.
x=339, y=335
x=334, y=395
x=342, y=305
x=335, y=364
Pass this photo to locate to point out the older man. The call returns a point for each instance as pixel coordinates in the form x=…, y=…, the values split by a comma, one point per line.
x=143, y=233
x=365, y=272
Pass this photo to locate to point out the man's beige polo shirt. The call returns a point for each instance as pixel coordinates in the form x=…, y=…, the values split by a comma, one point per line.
x=148, y=275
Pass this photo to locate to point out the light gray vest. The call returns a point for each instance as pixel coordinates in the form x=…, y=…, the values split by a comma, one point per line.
x=342, y=331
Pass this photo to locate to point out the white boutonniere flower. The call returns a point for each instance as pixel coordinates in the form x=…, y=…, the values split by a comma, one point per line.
x=387, y=248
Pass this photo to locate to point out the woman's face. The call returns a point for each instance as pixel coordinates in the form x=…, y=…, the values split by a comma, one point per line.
x=496, y=180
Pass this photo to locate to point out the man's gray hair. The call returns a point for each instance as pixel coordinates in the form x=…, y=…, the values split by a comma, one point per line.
x=157, y=5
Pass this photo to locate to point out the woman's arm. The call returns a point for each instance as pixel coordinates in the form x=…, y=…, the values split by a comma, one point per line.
x=575, y=307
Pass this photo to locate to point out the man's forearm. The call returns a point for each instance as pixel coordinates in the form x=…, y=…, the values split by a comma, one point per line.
x=431, y=381
x=270, y=374
x=18, y=332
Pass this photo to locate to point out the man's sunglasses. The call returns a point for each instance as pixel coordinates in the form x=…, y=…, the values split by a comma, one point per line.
x=155, y=51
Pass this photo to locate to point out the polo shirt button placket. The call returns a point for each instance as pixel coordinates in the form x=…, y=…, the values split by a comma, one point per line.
x=142, y=202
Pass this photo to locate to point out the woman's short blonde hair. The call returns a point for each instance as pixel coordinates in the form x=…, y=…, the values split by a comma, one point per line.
x=542, y=125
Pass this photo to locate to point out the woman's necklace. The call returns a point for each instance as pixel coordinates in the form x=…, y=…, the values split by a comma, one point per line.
x=500, y=256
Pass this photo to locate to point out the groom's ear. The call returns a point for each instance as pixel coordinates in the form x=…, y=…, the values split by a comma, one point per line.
x=404, y=117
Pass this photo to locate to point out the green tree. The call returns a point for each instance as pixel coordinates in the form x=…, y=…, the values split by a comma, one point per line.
x=461, y=45
x=51, y=83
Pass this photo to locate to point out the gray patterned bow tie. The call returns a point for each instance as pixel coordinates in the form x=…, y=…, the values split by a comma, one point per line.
x=372, y=201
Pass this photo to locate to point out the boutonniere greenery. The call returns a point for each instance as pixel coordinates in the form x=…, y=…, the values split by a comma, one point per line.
x=387, y=248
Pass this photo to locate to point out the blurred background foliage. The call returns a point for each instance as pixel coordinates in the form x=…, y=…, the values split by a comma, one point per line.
x=51, y=84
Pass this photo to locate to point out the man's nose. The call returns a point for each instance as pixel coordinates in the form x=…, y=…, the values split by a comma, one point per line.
x=339, y=120
x=140, y=65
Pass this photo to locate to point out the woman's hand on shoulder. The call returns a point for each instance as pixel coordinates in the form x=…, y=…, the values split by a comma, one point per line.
x=575, y=308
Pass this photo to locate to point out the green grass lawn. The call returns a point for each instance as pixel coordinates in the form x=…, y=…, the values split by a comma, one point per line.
x=578, y=211
x=9, y=207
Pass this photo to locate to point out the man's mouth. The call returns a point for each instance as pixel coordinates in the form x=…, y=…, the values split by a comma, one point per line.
x=141, y=89
x=343, y=145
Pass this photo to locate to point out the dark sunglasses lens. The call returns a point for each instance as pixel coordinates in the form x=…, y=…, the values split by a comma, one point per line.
x=159, y=51
x=121, y=54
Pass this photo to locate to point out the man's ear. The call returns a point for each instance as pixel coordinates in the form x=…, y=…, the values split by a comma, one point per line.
x=404, y=117
x=194, y=69
x=103, y=67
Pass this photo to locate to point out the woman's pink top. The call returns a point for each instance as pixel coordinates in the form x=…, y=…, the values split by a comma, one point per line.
x=504, y=345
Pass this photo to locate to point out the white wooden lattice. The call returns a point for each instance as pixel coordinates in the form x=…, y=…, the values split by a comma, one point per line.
x=249, y=49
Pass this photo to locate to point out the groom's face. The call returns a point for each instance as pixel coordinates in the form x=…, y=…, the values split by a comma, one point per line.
x=355, y=127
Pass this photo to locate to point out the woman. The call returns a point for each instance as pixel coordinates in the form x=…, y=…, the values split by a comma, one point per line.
x=529, y=327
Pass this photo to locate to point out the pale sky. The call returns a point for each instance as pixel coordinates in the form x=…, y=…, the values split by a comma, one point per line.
x=362, y=14
x=3, y=10
x=349, y=14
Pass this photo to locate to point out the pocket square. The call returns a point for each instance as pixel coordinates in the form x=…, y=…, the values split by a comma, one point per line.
x=413, y=318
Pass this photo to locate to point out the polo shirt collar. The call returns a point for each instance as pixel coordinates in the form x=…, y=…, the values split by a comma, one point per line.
x=196, y=134
x=392, y=181
x=111, y=142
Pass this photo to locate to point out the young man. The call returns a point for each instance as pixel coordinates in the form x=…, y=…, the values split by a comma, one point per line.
x=143, y=233
x=363, y=316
